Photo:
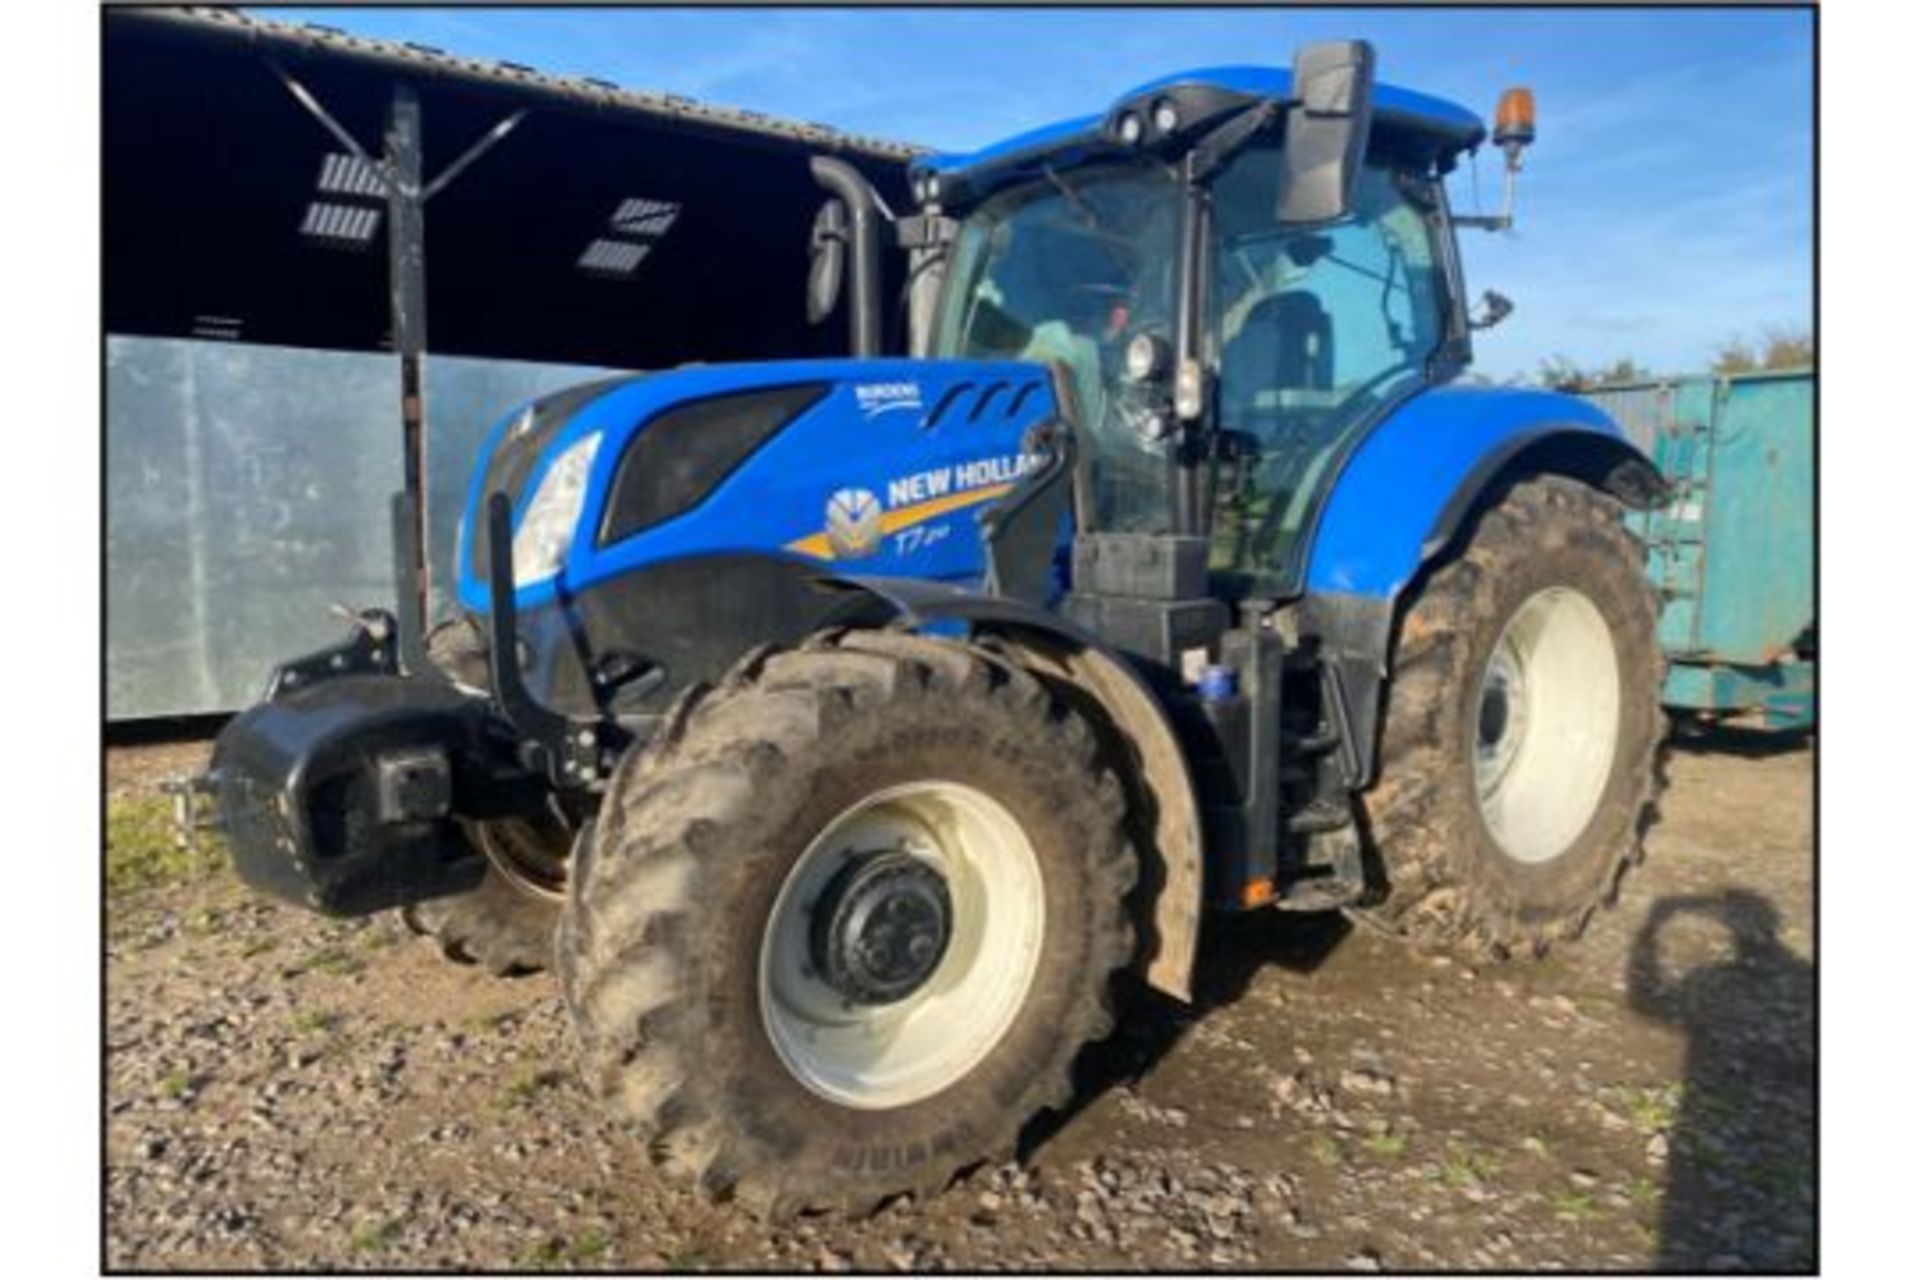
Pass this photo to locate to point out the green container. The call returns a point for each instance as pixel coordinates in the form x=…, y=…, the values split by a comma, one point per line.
x=1732, y=553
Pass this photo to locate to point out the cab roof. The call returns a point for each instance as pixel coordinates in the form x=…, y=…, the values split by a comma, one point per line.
x=1409, y=127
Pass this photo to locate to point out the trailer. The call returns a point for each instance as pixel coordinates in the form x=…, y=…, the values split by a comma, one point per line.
x=1732, y=554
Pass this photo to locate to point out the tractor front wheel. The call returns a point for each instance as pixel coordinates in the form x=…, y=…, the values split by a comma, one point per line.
x=845, y=924
x=506, y=923
x=1518, y=757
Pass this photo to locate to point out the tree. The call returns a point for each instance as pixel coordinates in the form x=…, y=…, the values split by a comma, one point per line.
x=1563, y=374
x=1778, y=347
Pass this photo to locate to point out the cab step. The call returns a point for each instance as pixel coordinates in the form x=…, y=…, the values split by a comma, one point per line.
x=1333, y=876
x=1320, y=817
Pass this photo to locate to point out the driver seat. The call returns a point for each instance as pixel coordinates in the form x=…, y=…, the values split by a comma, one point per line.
x=1285, y=343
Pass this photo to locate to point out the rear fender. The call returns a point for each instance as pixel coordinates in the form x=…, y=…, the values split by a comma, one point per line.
x=1160, y=791
x=1409, y=487
x=1409, y=491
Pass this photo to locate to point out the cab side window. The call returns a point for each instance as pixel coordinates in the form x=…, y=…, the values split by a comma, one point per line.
x=1312, y=329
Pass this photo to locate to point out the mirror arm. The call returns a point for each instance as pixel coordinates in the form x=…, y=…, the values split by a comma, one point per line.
x=1218, y=146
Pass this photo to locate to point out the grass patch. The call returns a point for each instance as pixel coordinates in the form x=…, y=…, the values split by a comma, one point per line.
x=1642, y=1190
x=1572, y=1206
x=142, y=852
x=547, y=1254
x=377, y=1234
x=523, y=1088
x=1325, y=1150
x=308, y=1021
x=486, y=1021
x=1463, y=1166
x=1388, y=1145
x=689, y=1258
x=330, y=960
x=176, y=1084
x=203, y=923
x=555, y=1254
x=592, y=1244
x=1650, y=1107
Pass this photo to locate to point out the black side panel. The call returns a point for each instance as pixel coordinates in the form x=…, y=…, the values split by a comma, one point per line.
x=693, y=618
x=675, y=460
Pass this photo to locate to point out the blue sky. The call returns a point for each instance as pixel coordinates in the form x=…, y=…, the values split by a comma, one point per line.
x=1667, y=205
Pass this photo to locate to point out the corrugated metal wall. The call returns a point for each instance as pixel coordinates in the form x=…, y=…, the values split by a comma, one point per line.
x=247, y=491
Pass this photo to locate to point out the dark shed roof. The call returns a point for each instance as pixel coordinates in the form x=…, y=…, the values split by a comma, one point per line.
x=213, y=170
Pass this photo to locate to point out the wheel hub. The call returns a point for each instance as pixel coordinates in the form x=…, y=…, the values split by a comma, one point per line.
x=902, y=944
x=881, y=927
x=1503, y=717
x=1547, y=725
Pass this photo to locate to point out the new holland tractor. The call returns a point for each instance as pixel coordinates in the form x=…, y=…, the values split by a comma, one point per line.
x=840, y=730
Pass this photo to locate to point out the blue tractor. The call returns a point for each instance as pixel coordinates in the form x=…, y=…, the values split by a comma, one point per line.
x=840, y=729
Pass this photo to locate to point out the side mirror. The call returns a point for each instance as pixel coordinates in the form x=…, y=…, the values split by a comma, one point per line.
x=845, y=225
x=1494, y=307
x=1327, y=129
x=828, y=264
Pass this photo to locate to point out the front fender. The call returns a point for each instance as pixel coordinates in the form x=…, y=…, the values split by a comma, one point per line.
x=1409, y=486
x=1161, y=791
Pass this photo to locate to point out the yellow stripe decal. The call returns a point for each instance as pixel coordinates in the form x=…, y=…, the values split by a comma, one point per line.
x=899, y=518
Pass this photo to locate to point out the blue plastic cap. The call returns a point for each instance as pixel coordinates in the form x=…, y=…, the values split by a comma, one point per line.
x=1218, y=683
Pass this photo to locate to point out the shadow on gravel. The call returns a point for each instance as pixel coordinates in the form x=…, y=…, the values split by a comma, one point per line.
x=1749, y=742
x=1740, y=1173
x=1151, y=1024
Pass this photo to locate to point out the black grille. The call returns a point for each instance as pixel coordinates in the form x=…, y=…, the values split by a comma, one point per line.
x=676, y=460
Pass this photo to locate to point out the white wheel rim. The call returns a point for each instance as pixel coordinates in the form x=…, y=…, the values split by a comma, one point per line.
x=1548, y=725
x=875, y=1057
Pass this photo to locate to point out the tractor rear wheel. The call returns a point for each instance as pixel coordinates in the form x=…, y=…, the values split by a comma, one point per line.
x=1519, y=753
x=843, y=927
x=506, y=923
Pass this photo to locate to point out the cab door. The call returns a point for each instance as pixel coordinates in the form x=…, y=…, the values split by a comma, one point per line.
x=1313, y=333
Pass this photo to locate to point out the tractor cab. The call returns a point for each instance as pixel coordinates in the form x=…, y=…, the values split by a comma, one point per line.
x=1234, y=290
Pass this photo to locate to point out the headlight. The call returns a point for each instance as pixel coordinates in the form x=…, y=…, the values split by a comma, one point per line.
x=1146, y=357
x=546, y=529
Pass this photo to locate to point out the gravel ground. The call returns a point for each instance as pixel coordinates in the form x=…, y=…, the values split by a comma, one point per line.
x=288, y=1092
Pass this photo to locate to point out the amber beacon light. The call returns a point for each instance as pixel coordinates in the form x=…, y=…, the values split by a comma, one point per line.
x=1513, y=124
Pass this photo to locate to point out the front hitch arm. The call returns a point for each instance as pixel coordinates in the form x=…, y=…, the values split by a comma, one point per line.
x=573, y=753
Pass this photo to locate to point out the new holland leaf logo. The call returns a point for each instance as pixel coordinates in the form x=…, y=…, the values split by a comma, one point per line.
x=858, y=521
x=853, y=524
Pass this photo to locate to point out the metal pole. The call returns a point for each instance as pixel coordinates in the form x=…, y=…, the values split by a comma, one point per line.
x=407, y=273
